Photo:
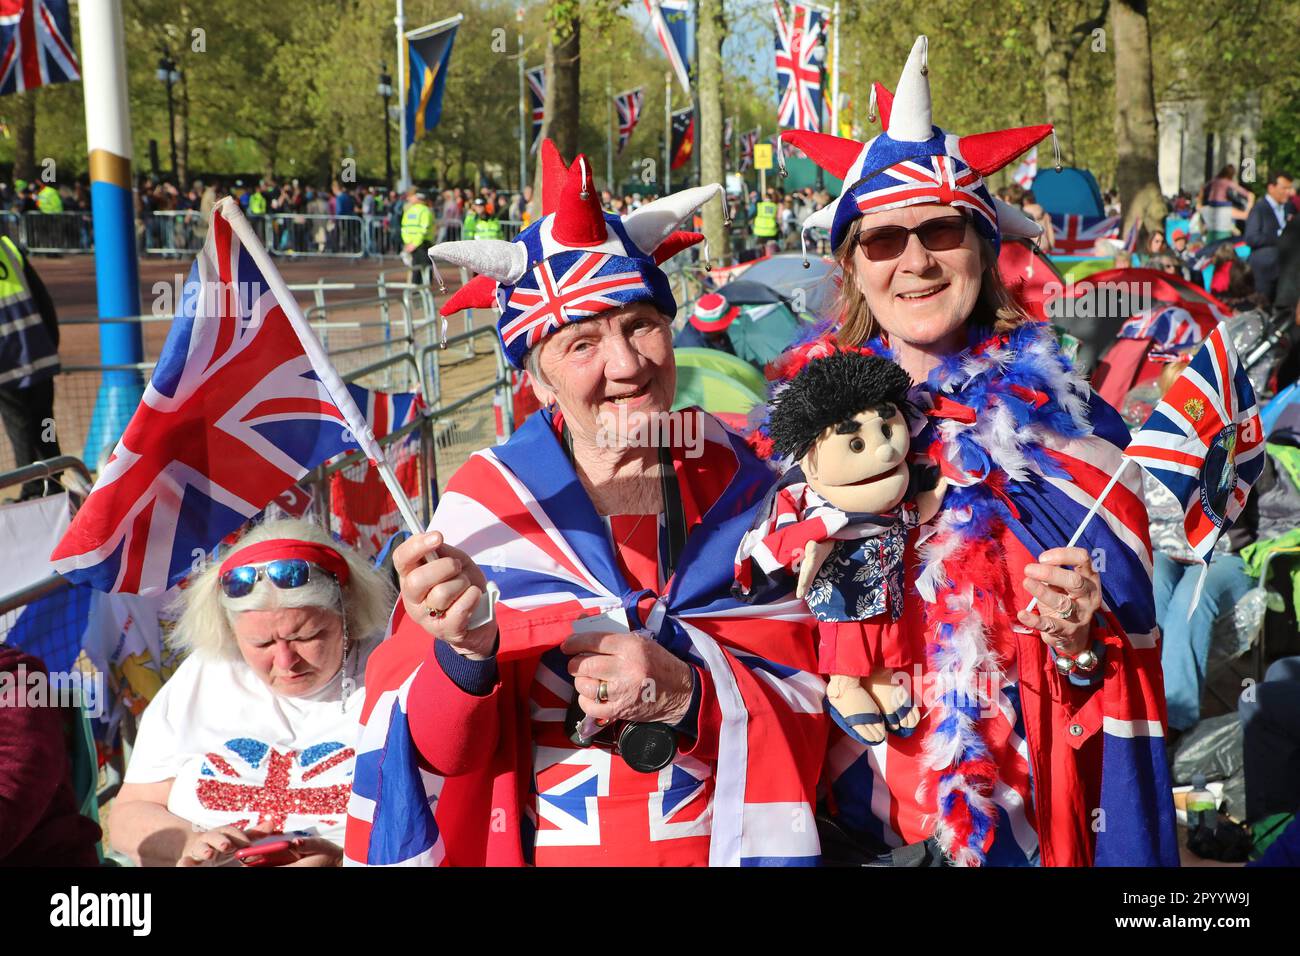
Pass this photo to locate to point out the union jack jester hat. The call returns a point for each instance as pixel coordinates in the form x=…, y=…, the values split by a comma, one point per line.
x=576, y=261
x=913, y=161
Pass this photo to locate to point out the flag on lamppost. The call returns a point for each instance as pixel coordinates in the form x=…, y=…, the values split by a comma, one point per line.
x=800, y=56
x=683, y=136
x=428, y=53
x=36, y=37
x=628, y=106
x=747, y=142
x=669, y=19
x=537, y=101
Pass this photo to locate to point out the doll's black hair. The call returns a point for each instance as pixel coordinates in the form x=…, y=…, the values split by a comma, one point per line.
x=831, y=391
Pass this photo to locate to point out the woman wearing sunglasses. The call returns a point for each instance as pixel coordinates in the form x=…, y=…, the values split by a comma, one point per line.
x=1041, y=736
x=253, y=740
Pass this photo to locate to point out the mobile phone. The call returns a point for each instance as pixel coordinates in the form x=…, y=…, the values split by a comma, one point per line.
x=274, y=853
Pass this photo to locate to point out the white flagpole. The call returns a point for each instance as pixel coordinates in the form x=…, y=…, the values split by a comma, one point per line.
x=338, y=391
x=1096, y=506
x=835, y=72
x=404, y=180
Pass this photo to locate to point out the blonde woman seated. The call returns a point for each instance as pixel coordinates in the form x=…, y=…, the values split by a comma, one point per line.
x=252, y=740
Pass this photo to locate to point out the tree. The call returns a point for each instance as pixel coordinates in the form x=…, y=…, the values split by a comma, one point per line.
x=1057, y=42
x=712, y=28
x=1136, y=134
x=24, y=127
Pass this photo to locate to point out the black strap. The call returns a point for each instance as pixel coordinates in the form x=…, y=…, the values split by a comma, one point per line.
x=674, y=514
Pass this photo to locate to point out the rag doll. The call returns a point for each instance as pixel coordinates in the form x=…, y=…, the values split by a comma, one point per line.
x=839, y=521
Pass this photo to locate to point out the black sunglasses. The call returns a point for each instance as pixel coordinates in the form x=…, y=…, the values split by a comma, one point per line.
x=937, y=235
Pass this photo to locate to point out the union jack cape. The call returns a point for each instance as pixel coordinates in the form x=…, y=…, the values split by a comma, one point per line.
x=520, y=511
x=36, y=40
x=1038, y=448
x=798, y=75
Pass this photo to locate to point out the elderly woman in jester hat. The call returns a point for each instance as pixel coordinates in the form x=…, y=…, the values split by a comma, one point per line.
x=1041, y=736
x=614, y=705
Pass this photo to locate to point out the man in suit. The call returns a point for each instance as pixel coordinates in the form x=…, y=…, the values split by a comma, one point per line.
x=1265, y=223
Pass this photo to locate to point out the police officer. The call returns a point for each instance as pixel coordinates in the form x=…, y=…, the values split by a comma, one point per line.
x=29, y=360
x=765, y=224
x=469, y=229
x=48, y=199
x=487, y=225
x=417, y=233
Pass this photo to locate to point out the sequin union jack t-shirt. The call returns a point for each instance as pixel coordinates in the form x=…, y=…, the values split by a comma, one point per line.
x=242, y=755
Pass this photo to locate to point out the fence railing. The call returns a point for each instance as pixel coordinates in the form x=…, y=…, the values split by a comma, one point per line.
x=57, y=232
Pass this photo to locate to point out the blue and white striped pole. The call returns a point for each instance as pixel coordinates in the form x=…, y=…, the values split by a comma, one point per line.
x=117, y=271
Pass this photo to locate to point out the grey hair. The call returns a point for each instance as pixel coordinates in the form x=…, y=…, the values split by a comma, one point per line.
x=207, y=616
x=533, y=366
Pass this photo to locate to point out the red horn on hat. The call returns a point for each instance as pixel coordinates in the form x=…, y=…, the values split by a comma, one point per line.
x=579, y=220
x=884, y=103
x=479, y=292
x=555, y=172
x=835, y=154
x=988, y=152
x=675, y=243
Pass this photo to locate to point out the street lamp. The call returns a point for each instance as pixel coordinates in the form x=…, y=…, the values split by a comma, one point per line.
x=819, y=57
x=386, y=91
x=167, y=73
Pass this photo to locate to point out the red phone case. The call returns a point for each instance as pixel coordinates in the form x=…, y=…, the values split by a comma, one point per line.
x=269, y=854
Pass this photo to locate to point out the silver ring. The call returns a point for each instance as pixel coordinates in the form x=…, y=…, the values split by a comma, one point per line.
x=602, y=692
x=1067, y=613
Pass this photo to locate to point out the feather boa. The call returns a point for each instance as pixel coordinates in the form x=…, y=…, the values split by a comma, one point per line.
x=1021, y=391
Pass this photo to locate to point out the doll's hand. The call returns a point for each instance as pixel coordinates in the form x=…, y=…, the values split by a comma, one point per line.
x=815, y=554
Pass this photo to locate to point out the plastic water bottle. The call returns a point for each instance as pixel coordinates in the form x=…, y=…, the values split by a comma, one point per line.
x=1201, y=807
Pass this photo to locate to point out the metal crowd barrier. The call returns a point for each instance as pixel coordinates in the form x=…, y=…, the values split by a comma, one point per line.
x=314, y=235
x=57, y=232
x=174, y=232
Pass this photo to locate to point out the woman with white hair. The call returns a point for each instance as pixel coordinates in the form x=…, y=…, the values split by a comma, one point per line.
x=252, y=740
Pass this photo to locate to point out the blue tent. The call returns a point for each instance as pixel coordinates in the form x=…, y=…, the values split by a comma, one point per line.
x=1069, y=191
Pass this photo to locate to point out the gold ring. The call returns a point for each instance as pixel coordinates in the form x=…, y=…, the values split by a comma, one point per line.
x=602, y=692
x=435, y=614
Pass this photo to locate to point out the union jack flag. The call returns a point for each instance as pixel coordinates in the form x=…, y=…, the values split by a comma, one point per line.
x=564, y=288
x=672, y=33
x=1169, y=326
x=628, y=106
x=799, y=65
x=36, y=36
x=537, y=99
x=241, y=405
x=277, y=791
x=747, y=143
x=1027, y=170
x=942, y=179
x=1075, y=235
x=1204, y=442
x=526, y=520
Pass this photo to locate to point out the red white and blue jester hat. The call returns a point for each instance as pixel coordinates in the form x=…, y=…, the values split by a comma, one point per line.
x=576, y=261
x=913, y=161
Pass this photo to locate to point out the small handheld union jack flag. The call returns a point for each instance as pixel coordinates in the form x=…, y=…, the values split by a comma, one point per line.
x=800, y=53
x=628, y=106
x=1204, y=442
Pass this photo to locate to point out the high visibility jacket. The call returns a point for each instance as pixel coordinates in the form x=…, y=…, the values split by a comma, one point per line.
x=27, y=352
x=488, y=228
x=257, y=204
x=765, y=220
x=49, y=200
x=417, y=224
x=468, y=227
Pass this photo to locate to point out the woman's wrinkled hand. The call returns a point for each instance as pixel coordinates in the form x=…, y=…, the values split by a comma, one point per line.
x=643, y=682
x=441, y=587
x=1068, y=590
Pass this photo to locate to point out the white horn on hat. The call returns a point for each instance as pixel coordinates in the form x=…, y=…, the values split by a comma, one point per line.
x=1014, y=224
x=652, y=223
x=909, y=117
x=823, y=218
x=496, y=258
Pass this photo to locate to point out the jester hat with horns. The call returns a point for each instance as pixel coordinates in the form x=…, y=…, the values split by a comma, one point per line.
x=576, y=261
x=915, y=162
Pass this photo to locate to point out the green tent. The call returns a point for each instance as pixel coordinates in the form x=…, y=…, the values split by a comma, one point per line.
x=762, y=332
x=1078, y=268
x=713, y=391
x=720, y=361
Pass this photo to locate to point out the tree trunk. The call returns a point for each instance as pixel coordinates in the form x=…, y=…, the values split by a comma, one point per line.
x=25, y=135
x=183, y=132
x=1053, y=52
x=1136, y=133
x=565, y=80
x=712, y=29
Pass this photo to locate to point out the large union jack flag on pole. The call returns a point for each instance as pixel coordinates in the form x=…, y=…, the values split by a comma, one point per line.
x=800, y=52
x=1076, y=235
x=36, y=37
x=747, y=142
x=537, y=100
x=669, y=19
x=1204, y=442
x=241, y=405
x=629, y=106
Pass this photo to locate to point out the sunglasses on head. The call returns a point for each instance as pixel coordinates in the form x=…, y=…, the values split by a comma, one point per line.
x=937, y=235
x=284, y=573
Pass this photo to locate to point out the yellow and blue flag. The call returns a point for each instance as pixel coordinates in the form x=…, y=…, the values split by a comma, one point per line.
x=428, y=53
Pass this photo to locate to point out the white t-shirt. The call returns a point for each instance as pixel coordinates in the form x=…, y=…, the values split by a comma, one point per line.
x=242, y=755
